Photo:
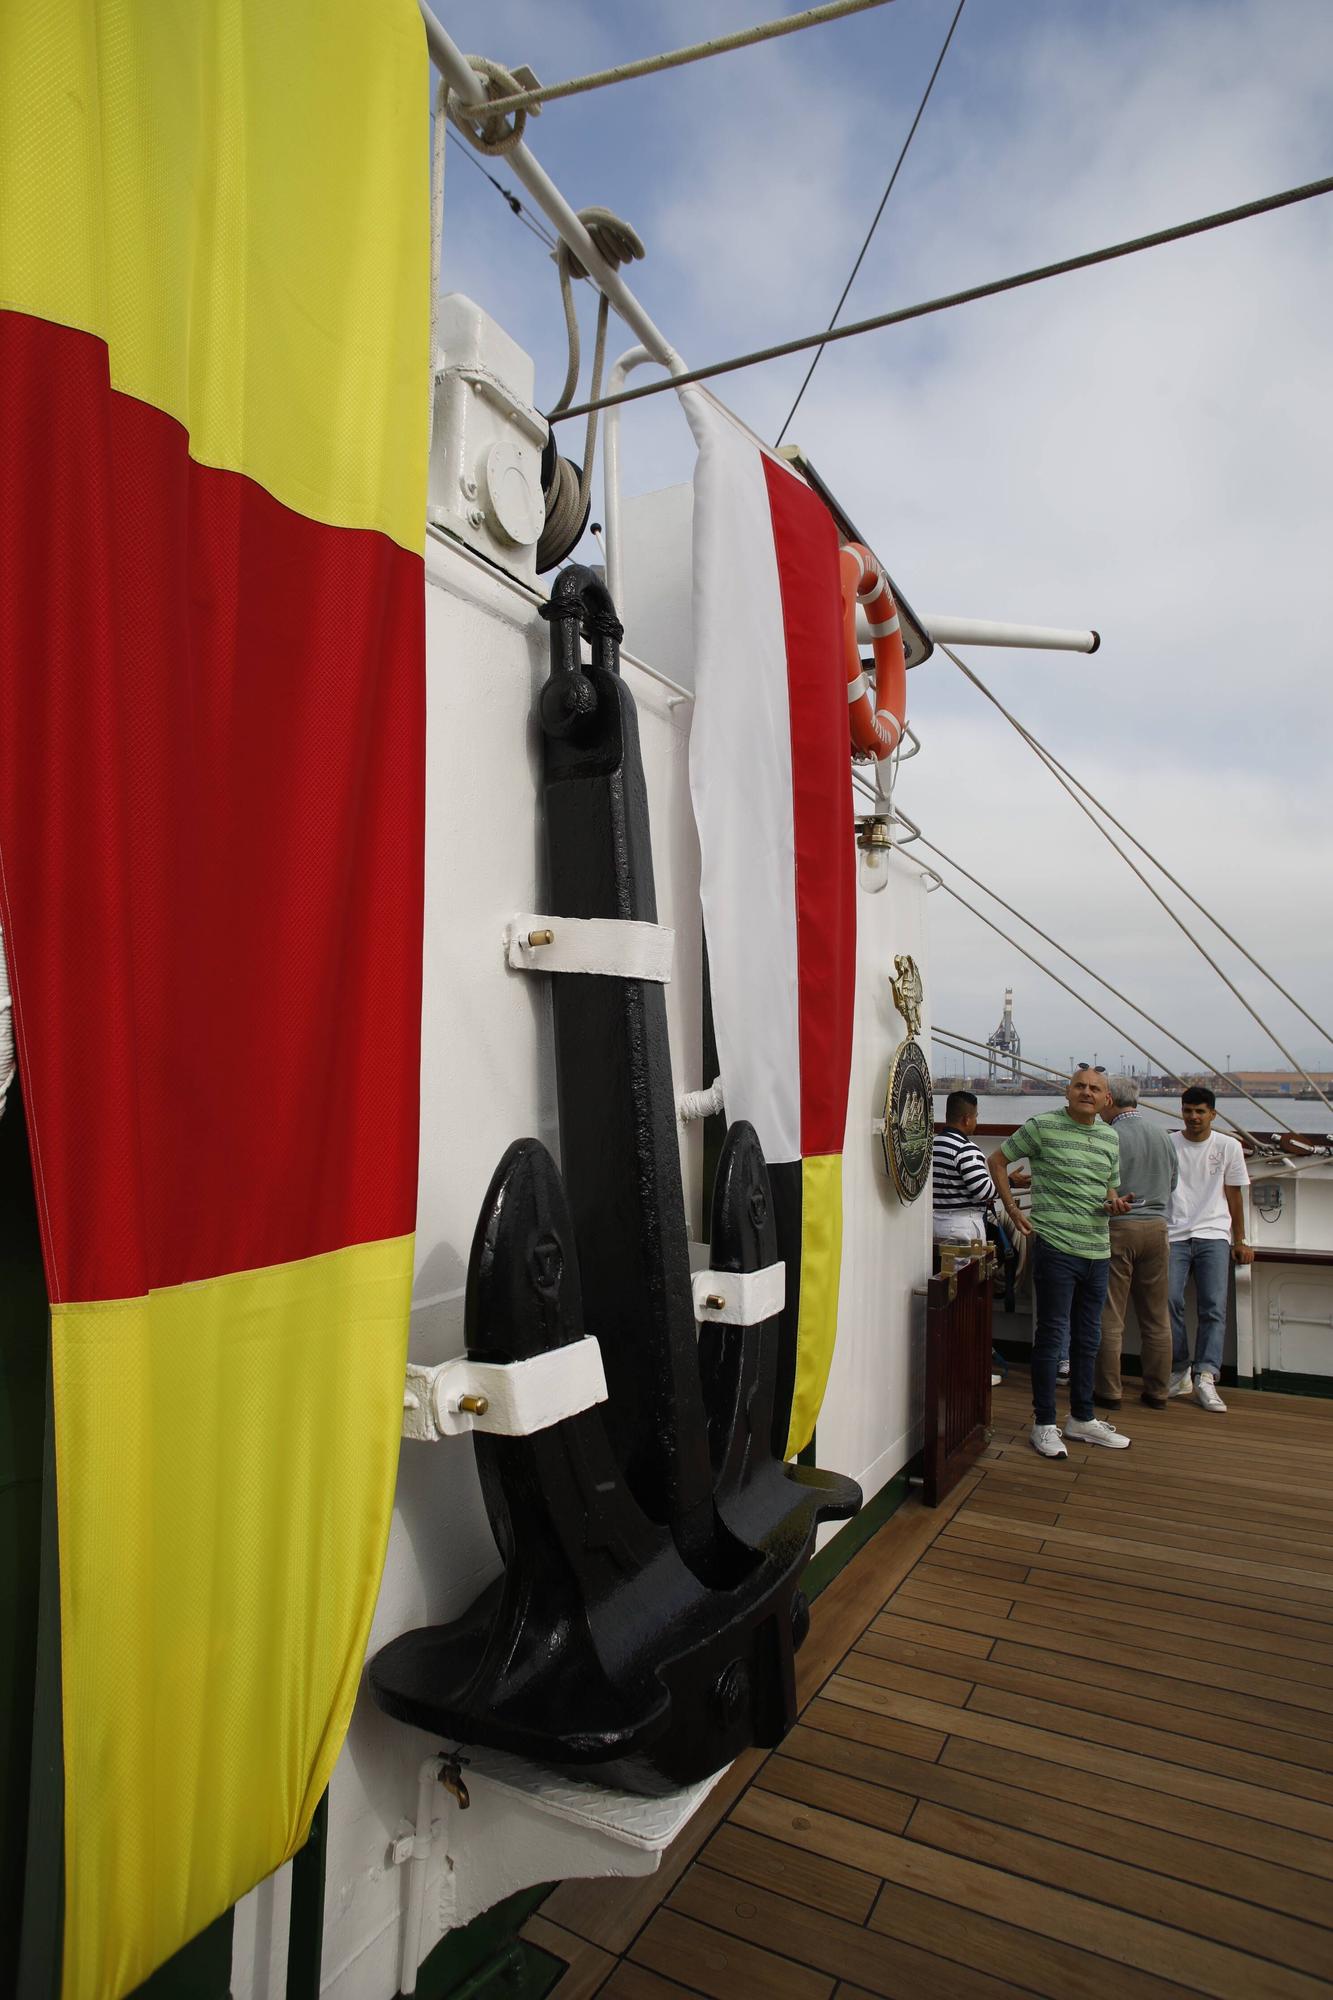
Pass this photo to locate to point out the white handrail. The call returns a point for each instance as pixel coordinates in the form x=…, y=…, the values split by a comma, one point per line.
x=633, y=357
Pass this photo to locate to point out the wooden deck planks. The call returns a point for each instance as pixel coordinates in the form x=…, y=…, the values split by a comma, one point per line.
x=1072, y=1735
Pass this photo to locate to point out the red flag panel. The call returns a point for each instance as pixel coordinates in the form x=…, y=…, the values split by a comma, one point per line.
x=807, y=551
x=177, y=747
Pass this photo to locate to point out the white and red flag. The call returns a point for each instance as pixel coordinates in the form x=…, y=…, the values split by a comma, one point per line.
x=772, y=798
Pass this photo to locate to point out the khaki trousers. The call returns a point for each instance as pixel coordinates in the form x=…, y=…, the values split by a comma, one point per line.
x=1139, y=1268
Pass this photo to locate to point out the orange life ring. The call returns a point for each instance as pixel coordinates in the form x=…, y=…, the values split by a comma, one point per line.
x=877, y=725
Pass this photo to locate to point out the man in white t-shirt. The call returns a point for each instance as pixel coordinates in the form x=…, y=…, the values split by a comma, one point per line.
x=1206, y=1230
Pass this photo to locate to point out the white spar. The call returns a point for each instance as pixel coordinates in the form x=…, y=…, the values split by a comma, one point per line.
x=951, y=631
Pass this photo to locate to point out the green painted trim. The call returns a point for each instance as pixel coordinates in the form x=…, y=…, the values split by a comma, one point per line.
x=200, y=1970
x=1021, y=1351
x=305, y=1920
x=24, y=1360
x=715, y=1128
x=1276, y=1381
x=42, y=1940
x=488, y=1953
x=523, y=1972
x=849, y=1541
x=1281, y=1382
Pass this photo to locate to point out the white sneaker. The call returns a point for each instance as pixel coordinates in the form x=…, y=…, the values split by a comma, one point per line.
x=1062, y=1372
x=1205, y=1392
x=1045, y=1438
x=1180, y=1385
x=995, y=1378
x=1094, y=1431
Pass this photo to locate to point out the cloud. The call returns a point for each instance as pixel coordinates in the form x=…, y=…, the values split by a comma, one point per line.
x=1017, y=832
x=1144, y=448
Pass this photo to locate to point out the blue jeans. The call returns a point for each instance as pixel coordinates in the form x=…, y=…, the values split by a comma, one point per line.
x=1209, y=1257
x=1070, y=1293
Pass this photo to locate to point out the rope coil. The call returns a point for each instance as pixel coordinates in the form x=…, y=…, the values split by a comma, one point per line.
x=568, y=495
x=567, y=485
x=490, y=131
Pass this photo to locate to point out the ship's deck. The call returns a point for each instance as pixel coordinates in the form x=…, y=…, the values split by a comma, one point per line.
x=1070, y=1735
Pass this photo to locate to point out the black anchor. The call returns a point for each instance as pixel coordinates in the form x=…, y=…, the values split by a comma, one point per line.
x=650, y=1605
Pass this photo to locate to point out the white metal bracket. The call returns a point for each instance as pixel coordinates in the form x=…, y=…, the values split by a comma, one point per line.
x=606, y=945
x=739, y=1298
x=504, y=1398
x=488, y=384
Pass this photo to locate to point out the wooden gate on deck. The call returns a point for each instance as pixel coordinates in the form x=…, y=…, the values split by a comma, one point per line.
x=958, y=1371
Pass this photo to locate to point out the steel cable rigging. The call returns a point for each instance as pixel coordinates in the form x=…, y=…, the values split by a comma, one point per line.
x=883, y=202
x=966, y=1045
x=1315, y=1143
x=1085, y=261
x=1054, y=762
x=507, y=195
x=521, y=101
x=1164, y=1068
x=1075, y=786
x=1074, y=959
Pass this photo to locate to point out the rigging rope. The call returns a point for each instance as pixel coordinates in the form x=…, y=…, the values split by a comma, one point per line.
x=1046, y=938
x=1177, y=233
x=520, y=100
x=883, y=201
x=966, y=1045
x=1069, y=783
x=439, y=130
x=1317, y=1142
x=481, y=123
x=567, y=501
x=507, y=195
x=1133, y=838
x=1156, y=1061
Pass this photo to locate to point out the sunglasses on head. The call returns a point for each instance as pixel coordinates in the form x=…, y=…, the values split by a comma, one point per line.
x=1098, y=1069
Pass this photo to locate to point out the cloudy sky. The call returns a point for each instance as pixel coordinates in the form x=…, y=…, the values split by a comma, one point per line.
x=1146, y=448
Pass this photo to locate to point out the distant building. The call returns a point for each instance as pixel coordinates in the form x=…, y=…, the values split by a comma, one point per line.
x=1003, y=1062
x=1280, y=1082
x=1259, y=1082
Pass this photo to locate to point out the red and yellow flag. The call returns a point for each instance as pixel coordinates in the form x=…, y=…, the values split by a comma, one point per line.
x=213, y=365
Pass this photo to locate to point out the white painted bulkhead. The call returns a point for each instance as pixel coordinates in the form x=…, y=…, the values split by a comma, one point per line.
x=488, y=1078
x=1291, y=1208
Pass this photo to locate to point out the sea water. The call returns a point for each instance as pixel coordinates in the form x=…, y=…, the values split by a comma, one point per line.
x=1304, y=1115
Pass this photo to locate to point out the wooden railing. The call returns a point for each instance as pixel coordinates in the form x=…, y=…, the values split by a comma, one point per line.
x=958, y=1370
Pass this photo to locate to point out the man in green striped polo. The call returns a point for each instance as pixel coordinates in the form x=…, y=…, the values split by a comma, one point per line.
x=1075, y=1164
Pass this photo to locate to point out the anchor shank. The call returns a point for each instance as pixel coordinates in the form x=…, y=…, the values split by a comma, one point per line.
x=618, y=1139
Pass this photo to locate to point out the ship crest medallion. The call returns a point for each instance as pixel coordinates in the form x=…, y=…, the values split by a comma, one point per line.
x=909, y=1103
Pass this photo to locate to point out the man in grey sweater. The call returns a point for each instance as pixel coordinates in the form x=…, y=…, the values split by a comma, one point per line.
x=1140, y=1260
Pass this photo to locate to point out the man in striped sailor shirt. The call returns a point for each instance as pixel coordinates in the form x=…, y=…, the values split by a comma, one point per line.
x=962, y=1189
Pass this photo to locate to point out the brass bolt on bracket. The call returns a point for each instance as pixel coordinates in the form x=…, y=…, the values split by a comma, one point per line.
x=451, y=1777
